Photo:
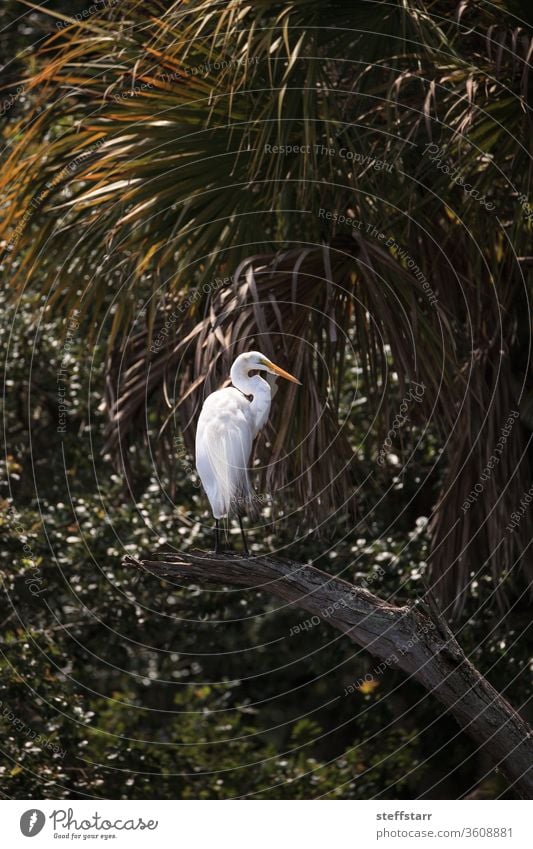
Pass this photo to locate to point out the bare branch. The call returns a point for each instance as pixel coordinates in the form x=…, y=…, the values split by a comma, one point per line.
x=419, y=643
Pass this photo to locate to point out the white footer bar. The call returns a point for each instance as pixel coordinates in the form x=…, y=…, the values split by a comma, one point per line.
x=262, y=825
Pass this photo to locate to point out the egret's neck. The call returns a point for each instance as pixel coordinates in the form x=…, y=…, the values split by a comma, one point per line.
x=255, y=386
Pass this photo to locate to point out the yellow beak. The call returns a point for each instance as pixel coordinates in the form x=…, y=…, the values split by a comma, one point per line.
x=282, y=372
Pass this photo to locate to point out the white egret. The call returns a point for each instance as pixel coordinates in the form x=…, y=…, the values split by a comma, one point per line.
x=228, y=424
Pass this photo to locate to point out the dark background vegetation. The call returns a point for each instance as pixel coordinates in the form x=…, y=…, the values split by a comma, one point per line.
x=156, y=691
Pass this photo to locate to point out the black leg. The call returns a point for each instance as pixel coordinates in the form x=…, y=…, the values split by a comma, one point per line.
x=217, y=537
x=244, y=543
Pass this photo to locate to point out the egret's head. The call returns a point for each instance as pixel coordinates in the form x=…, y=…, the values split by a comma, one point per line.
x=255, y=361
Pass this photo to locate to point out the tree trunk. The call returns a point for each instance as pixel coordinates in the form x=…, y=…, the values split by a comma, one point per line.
x=407, y=638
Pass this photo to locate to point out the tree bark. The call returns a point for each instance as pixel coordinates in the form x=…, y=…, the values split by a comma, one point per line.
x=416, y=641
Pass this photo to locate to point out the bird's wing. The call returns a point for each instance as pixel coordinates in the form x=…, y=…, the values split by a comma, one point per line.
x=224, y=439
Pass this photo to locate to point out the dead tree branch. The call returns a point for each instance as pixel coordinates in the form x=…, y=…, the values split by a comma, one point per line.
x=419, y=643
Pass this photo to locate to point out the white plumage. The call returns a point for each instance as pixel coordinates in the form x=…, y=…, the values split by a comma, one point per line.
x=228, y=424
x=224, y=441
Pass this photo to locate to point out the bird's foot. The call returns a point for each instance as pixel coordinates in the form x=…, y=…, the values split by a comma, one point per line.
x=223, y=550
